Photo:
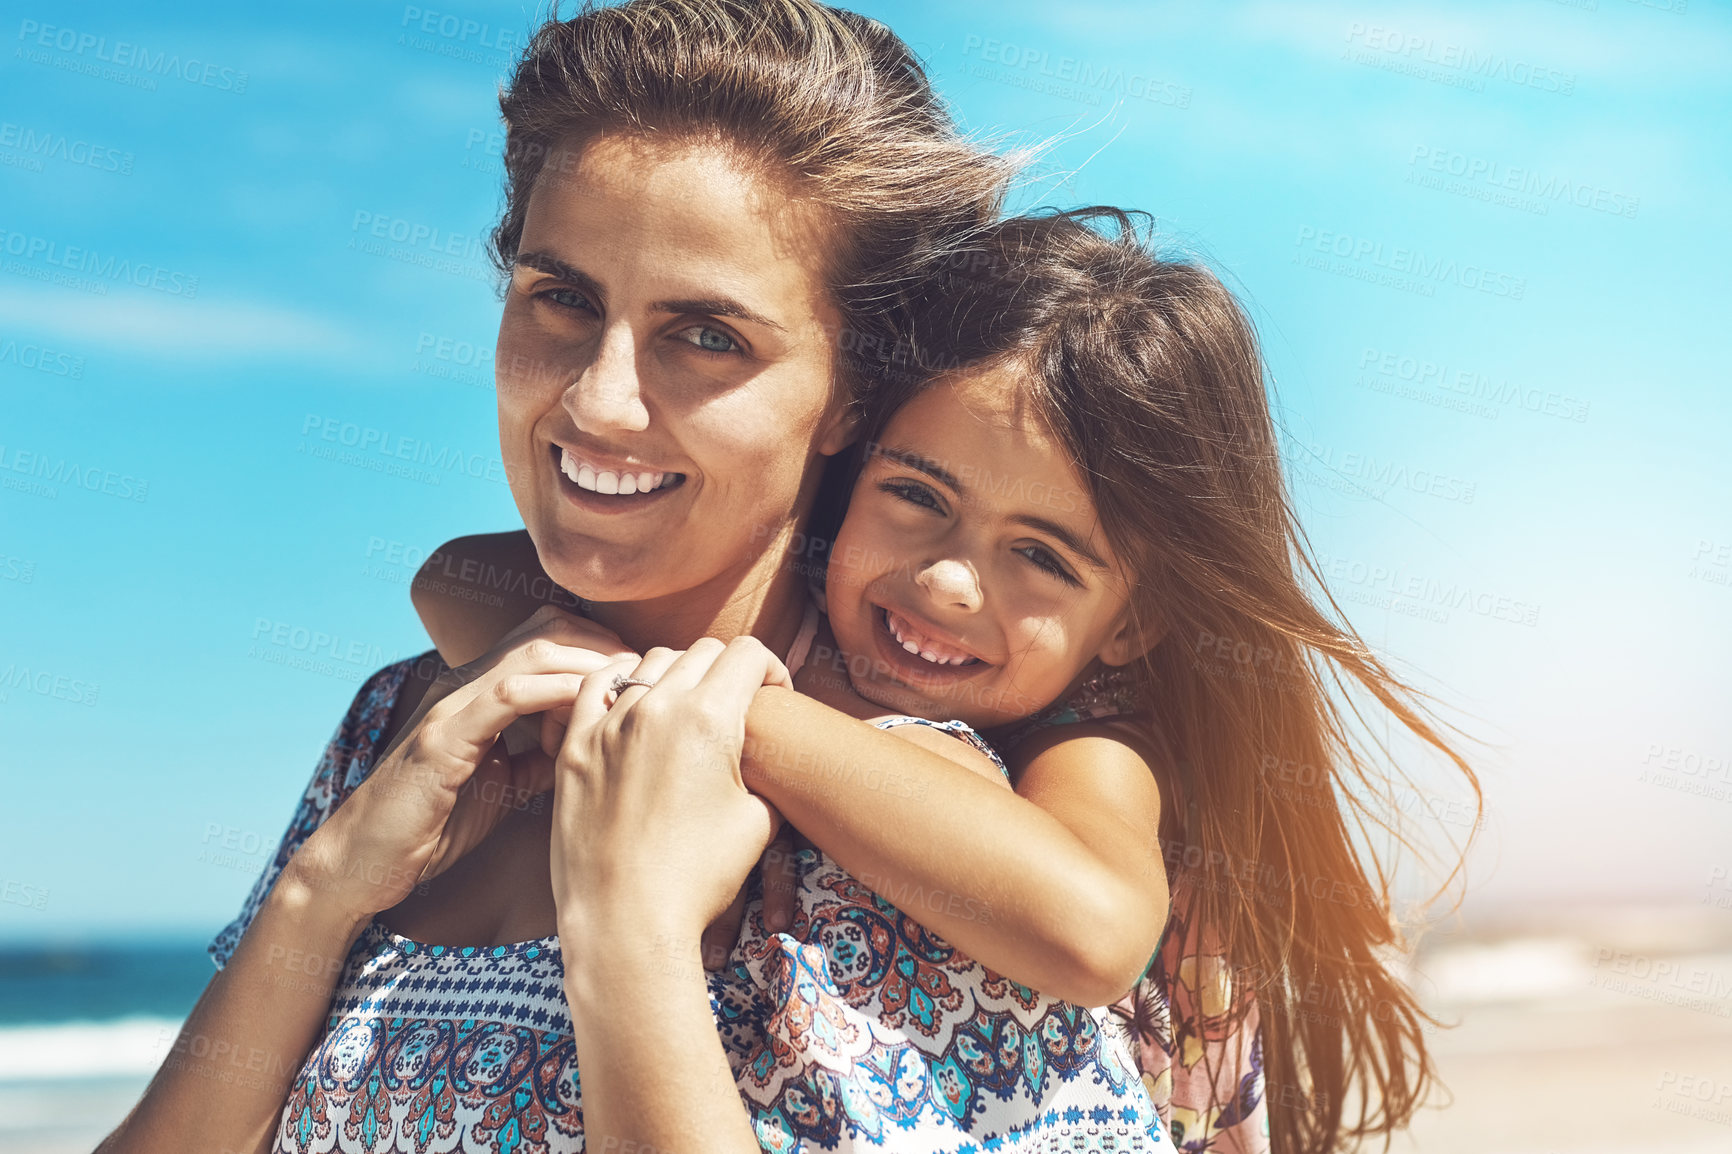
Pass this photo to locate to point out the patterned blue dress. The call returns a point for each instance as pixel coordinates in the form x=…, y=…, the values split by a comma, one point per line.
x=856, y=1030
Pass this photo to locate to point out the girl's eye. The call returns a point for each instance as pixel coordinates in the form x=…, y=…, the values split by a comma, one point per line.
x=1045, y=560
x=709, y=338
x=914, y=493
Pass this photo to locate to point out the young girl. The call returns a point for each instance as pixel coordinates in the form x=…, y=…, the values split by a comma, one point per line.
x=1071, y=535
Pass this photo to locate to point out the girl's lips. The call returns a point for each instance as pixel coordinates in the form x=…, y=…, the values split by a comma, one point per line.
x=913, y=669
x=918, y=640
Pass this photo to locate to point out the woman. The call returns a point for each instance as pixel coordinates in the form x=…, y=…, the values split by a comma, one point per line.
x=717, y=173
x=688, y=181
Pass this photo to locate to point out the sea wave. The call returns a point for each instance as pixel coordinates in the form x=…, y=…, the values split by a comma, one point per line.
x=69, y=1050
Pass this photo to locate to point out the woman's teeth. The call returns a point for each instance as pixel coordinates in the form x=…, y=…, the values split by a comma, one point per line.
x=609, y=481
x=922, y=646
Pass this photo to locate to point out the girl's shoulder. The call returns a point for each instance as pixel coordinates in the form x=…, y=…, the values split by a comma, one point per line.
x=1110, y=697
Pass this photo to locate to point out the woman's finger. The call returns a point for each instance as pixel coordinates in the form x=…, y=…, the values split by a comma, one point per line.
x=738, y=672
x=651, y=670
x=479, y=720
x=677, y=670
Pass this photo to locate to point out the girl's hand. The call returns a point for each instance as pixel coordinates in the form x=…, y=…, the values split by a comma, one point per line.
x=654, y=832
x=447, y=780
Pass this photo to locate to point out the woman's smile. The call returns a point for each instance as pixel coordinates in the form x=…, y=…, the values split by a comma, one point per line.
x=595, y=485
x=664, y=368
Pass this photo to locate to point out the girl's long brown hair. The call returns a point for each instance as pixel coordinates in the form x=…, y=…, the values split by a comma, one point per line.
x=1259, y=692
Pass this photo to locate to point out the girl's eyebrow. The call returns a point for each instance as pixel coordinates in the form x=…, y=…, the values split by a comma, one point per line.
x=920, y=464
x=714, y=306
x=1063, y=535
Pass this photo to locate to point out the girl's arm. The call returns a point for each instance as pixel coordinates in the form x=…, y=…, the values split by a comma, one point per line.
x=224, y=1081
x=1059, y=885
x=471, y=591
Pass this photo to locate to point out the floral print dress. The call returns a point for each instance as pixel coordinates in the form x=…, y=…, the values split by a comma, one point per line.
x=858, y=1029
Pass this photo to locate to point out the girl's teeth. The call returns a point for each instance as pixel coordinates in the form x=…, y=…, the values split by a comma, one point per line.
x=586, y=478
x=903, y=639
x=627, y=484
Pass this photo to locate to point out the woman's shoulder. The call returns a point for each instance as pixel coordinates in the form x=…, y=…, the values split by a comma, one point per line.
x=365, y=730
x=381, y=706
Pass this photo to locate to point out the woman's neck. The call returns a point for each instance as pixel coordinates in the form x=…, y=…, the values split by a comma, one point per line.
x=767, y=602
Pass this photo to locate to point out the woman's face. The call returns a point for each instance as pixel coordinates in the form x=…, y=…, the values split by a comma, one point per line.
x=971, y=578
x=664, y=369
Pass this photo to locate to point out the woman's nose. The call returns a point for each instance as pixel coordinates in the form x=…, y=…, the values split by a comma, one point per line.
x=607, y=396
x=951, y=583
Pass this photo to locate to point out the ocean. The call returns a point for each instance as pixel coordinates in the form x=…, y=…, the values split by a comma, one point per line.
x=1573, y=1032
x=82, y=1028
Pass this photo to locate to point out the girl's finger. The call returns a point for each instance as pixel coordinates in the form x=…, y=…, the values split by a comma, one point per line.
x=720, y=935
x=777, y=870
x=566, y=628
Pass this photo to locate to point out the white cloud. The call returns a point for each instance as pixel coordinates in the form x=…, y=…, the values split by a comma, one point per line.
x=204, y=330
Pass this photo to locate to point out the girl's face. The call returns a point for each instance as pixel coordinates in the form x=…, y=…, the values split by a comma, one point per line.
x=971, y=578
x=664, y=370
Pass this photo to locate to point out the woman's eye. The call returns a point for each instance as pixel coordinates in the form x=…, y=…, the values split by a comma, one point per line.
x=709, y=338
x=914, y=493
x=1045, y=560
x=567, y=299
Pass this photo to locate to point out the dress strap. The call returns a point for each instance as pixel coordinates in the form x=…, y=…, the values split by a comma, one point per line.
x=803, y=639
x=960, y=730
x=1110, y=693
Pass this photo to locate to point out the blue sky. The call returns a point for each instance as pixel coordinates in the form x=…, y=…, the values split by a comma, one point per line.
x=1485, y=246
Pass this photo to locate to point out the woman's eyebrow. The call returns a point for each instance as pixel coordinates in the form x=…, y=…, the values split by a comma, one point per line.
x=717, y=307
x=712, y=306
x=551, y=265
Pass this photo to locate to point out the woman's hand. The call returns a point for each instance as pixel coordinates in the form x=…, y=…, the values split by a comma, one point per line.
x=654, y=831
x=448, y=779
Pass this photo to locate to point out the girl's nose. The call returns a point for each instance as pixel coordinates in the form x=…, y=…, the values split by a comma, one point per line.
x=953, y=584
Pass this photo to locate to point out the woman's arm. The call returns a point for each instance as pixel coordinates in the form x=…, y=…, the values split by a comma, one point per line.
x=1059, y=885
x=653, y=834
x=1062, y=888
x=225, y=1079
x=227, y=1075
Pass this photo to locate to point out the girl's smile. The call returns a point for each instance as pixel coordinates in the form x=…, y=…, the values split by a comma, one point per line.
x=971, y=571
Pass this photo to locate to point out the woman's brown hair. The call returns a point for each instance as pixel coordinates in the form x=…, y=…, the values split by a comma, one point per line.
x=831, y=105
x=1149, y=372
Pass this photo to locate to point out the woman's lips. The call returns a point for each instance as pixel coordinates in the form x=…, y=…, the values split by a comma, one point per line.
x=606, y=490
